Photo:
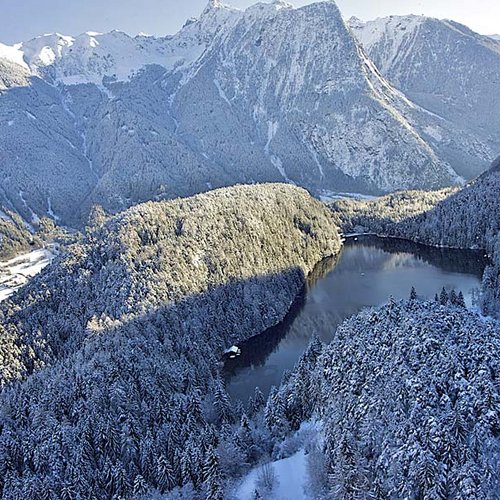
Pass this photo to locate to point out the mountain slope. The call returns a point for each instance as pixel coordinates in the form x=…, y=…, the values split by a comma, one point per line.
x=408, y=401
x=445, y=68
x=156, y=254
x=124, y=334
x=269, y=94
x=466, y=218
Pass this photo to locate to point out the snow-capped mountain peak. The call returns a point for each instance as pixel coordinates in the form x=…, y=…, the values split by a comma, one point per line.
x=271, y=93
x=91, y=56
x=13, y=53
x=45, y=50
x=395, y=30
x=448, y=70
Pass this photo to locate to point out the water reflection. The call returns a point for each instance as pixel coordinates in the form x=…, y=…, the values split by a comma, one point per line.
x=366, y=273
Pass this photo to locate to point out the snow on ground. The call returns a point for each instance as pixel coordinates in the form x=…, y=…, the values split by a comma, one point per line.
x=13, y=54
x=291, y=473
x=328, y=196
x=18, y=271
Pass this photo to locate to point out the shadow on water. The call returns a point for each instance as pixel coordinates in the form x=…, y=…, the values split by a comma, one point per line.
x=368, y=270
x=258, y=349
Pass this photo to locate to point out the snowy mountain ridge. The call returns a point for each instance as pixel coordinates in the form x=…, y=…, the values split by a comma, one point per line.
x=269, y=94
x=445, y=68
x=91, y=56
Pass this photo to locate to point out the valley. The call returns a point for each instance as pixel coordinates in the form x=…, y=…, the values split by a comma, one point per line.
x=257, y=258
x=371, y=270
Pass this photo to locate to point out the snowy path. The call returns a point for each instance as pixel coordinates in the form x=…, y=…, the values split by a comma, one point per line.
x=291, y=475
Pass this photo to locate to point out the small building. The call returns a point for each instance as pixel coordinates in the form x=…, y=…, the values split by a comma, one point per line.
x=233, y=351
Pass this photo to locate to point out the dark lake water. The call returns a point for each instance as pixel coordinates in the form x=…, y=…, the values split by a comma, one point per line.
x=368, y=271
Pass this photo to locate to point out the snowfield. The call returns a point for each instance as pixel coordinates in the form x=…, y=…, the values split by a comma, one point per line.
x=18, y=271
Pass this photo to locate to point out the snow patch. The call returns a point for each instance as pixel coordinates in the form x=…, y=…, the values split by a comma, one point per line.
x=291, y=474
x=46, y=56
x=50, y=211
x=316, y=160
x=13, y=54
x=329, y=196
x=18, y=271
x=222, y=94
x=276, y=161
x=433, y=132
x=272, y=130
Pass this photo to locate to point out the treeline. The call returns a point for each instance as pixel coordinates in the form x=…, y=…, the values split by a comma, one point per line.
x=408, y=400
x=110, y=358
x=383, y=215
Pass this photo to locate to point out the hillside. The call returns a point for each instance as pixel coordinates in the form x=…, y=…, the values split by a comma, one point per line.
x=125, y=331
x=408, y=402
x=161, y=252
x=15, y=237
x=467, y=218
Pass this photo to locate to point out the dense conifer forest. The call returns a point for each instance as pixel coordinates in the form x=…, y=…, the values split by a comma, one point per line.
x=467, y=218
x=166, y=333
x=111, y=358
x=408, y=404
x=120, y=342
x=15, y=238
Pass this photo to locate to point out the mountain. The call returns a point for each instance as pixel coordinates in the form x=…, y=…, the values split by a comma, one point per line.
x=158, y=253
x=445, y=68
x=272, y=93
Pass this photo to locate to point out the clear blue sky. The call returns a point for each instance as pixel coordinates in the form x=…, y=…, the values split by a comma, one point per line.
x=24, y=19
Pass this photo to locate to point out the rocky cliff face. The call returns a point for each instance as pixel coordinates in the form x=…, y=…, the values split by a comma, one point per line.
x=448, y=70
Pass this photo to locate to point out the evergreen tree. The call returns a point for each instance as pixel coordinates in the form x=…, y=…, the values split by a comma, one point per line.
x=140, y=487
x=222, y=403
x=212, y=476
x=275, y=414
x=258, y=401
x=413, y=293
x=245, y=433
x=165, y=474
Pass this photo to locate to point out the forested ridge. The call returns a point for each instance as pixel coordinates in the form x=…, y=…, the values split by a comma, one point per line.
x=408, y=399
x=111, y=359
x=15, y=237
x=406, y=396
x=120, y=340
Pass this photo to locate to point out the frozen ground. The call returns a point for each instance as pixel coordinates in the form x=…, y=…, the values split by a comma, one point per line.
x=291, y=479
x=16, y=272
x=329, y=196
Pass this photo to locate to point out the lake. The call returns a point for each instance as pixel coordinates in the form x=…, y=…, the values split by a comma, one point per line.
x=367, y=272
